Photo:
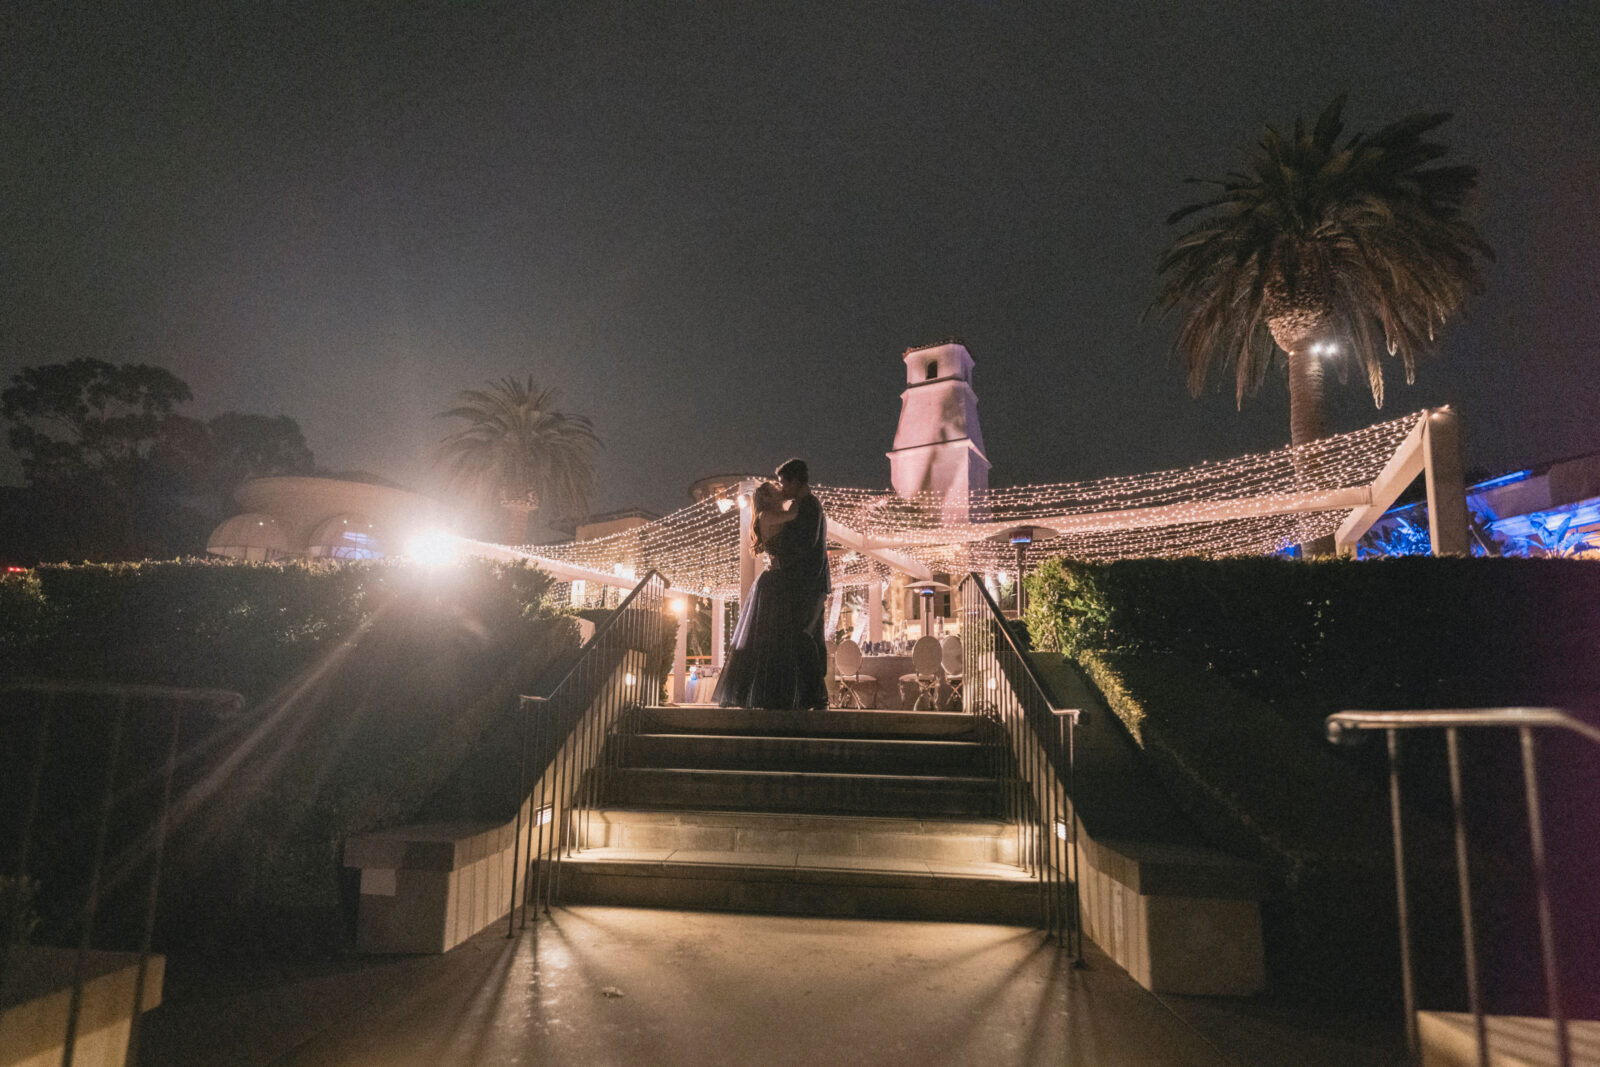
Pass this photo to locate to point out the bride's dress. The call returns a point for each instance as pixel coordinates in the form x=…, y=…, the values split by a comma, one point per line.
x=763, y=668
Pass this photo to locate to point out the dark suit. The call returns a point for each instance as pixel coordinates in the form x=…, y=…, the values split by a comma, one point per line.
x=800, y=563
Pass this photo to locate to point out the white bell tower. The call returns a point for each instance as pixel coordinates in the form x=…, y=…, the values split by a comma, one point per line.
x=938, y=446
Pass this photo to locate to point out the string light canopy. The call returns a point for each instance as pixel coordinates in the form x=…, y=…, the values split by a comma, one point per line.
x=1252, y=505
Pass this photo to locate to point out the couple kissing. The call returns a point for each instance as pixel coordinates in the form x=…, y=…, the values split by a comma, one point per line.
x=779, y=659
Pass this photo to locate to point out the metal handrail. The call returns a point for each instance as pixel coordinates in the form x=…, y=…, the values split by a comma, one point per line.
x=604, y=629
x=221, y=698
x=1348, y=726
x=1031, y=745
x=171, y=699
x=1447, y=717
x=1011, y=640
x=580, y=718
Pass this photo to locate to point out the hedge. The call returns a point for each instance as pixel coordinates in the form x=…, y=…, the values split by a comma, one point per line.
x=1260, y=790
x=1224, y=671
x=366, y=685
x=207, y=623
x=1313, y=638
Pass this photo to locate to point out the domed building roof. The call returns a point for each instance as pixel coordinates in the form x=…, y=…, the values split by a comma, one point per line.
x=253, y=536
x=323, y=518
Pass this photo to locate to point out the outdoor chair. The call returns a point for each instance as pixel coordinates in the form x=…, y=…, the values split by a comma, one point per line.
x=925, y=657
x=847, y=665
x=954, y=664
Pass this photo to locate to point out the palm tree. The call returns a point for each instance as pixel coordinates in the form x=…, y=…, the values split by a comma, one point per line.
x=517, y=452
x=1327, y=253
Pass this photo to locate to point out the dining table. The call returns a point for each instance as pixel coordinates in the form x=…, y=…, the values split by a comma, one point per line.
x=892, y=695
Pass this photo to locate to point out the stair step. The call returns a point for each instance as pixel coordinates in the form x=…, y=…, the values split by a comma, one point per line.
x=801, y=791
x=825, y=754
x=788, y=883
x=831, y=722
x=941, y=840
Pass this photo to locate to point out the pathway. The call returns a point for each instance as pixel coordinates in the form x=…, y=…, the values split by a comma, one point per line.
x=599, y=986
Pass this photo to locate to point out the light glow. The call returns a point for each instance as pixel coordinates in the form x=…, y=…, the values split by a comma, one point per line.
x=434, y=548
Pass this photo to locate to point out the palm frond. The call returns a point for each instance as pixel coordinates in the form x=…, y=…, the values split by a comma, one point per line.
x=1369, y=236
x=516, y=443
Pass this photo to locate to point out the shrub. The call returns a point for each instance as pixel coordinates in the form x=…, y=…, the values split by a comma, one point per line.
x=366, y=685
x=208, y=623
x=1312, y=638
x=1224, y=672
x=22, y=614
x=1313, y=824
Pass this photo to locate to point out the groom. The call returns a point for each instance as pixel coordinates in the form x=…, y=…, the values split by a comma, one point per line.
x=799, y=554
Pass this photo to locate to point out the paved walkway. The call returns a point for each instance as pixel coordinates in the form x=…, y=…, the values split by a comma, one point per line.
x=598, y=986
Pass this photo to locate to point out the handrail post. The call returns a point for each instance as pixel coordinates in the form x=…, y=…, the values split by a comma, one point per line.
x=1469, y=946
x=516, y=837
x=1541, y=884
x=539, y=708
x=1066, y=728
x=1348, y=725
x=152, y=901
x=1408, y=987
x=1072, y=787
x=91, y=903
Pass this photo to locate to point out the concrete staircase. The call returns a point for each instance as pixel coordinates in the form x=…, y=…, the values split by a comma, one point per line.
x=839, y=813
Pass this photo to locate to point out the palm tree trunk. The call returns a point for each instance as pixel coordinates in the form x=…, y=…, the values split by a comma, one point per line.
x=516, y=523
x=1308, y=421
x=1308, y=416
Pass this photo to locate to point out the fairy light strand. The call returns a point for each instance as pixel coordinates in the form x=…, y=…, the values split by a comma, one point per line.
x=697, y=547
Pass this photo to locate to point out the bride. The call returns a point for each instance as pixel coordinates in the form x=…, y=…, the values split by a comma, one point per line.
x=763, y=669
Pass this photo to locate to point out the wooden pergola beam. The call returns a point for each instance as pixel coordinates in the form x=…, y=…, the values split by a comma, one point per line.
x=1401, y=470
x=867, y=546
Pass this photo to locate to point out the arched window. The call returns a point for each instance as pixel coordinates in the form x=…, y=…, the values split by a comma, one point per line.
x=933, y=369
x=345, y=537
x=249, y=536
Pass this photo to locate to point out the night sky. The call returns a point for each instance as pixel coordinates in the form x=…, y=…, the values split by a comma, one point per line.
x=715, y=228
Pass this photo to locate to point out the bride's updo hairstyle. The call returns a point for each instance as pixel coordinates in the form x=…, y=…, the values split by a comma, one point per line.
x=766, y=497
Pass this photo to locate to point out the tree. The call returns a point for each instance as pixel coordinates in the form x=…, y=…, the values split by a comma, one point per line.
x=241, y=447
x=518, y=453
x=1326, y=256
x=115, y=472
x=93, y=419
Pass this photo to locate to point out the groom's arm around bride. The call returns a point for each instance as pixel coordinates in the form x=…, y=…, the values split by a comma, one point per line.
x=800, y=555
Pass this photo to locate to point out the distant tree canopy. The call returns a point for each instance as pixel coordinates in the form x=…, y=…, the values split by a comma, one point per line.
x=240, y=447
x=116, y=472
x=90, y=418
